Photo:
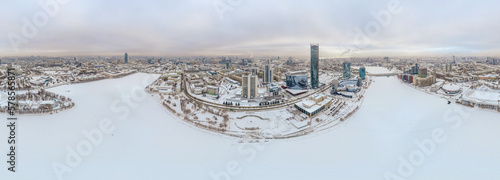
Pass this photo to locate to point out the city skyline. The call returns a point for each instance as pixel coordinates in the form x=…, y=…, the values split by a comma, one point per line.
x=217, y=28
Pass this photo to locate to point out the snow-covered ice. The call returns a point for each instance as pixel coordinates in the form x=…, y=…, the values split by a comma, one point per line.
x=150, y=143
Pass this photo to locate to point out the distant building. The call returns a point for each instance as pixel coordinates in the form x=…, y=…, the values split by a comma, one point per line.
x=427, y=81
x=386, y=59
x=406, y=78
x=126, y=58
x=346, y=68
x=413, y=70
x=362, y=72
x=422, y=73
x=449, y=67
x=360, y=82
x=268, y=74
x=249, y=86
x=254, y=71
x=314, y=65
x=213, y=90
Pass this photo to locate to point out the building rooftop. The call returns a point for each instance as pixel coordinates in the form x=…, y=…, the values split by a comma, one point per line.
x=313, y=103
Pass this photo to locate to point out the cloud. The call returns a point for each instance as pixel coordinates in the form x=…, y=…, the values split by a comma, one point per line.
x=281, y=27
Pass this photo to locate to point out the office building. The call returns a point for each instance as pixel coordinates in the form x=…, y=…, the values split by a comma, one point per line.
x=422, y=72
x=314, y=65
x=296, y=82
x=249, y=86
x=346, y=67
x=313, y=104
x=362, y=72
x=126, y=58
x=448, y=67
x=268, y=74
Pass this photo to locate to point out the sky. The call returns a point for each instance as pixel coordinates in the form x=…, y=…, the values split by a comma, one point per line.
x=342, y=28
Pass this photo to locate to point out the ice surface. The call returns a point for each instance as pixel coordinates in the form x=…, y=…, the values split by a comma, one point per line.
x=150, y=143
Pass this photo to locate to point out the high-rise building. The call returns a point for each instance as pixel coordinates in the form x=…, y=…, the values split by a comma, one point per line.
x=254, y=71
x=359, y=83
x=449, y=67
x=490, y=60
x=362, y=72
x=454, y=60
x=249, y=86
x=126, y=58
x=414, y=69
x=346, y=68
x=386, y=59
x=422, y=72
x=268, y=74
x=314, y=65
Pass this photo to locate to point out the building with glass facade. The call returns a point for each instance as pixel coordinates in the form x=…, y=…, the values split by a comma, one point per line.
x=268, y=74
x=362, y=72
x=296, y=82
x=314, y=65
x=126, y=58
x=346, y=67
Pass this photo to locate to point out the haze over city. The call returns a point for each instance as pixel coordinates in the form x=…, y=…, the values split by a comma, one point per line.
x=247, y=28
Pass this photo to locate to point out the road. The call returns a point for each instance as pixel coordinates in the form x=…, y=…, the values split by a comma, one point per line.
x=253, y=108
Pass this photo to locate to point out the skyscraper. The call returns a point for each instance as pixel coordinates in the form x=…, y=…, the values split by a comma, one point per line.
x=449, y=67
x=416, y=68
x=268, y=74
x=126, y=58
x=314, y=65
x=249, y=86
x=362, y=72
x=346, y=67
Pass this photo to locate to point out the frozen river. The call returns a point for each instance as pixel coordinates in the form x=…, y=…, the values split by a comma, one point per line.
x=149, y=143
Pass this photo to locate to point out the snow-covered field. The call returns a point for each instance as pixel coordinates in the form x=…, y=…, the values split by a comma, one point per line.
x=150, y=143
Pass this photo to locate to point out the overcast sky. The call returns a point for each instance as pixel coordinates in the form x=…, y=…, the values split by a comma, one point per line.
x=259, y=27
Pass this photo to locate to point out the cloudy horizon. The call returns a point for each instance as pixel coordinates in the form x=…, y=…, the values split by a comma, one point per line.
x=239, y=27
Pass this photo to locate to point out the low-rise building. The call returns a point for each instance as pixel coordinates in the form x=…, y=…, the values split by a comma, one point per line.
x=314, y=104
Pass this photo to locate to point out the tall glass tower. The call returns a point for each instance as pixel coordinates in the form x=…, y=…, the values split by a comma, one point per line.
x=268, y=74
x=314, y=65
x=362, y=72
x=346, y=67
x=126, y=58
